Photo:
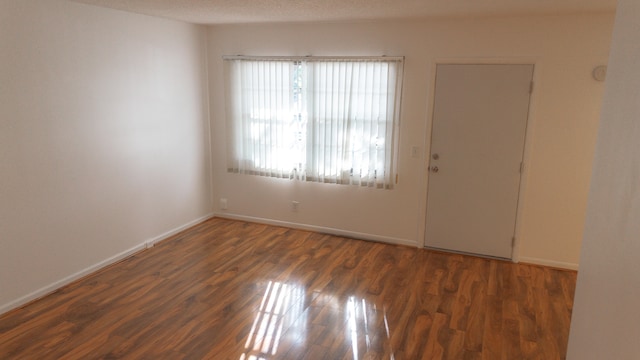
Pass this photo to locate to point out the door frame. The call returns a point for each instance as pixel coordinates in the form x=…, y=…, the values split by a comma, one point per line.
x=528, y=140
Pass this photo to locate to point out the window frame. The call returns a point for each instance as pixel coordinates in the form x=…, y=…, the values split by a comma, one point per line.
x=389, y=180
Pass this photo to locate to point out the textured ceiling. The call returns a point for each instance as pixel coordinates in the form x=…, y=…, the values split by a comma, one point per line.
x=250, y=11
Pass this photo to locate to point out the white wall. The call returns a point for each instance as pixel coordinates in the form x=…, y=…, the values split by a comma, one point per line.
x=606, y=317
x=562, y=130
x=103, y=138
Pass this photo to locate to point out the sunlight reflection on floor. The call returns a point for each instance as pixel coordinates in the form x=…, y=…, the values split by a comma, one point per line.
x=280, y=306
x=285, y=311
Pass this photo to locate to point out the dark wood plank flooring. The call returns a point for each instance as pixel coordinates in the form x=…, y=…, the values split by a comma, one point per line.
x=234, y=290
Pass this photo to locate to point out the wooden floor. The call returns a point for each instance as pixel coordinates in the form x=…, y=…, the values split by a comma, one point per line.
x=234, y=290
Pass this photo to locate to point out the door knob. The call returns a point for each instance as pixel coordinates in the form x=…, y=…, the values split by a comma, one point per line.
x=434, y=169
x=435, y=156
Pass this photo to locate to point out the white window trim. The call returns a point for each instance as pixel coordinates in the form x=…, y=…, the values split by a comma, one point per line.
x=391, y=177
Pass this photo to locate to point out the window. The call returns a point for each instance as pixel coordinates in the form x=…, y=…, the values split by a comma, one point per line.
x=314, y=119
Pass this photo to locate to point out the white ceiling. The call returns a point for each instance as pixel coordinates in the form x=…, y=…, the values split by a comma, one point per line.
x=250, y=11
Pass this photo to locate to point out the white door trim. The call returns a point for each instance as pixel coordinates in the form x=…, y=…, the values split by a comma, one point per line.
x=528, y=142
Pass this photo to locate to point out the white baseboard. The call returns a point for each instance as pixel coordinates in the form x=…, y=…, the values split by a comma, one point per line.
x=320, y=229
x=550, y=263
x=69, y=279
x=151, y=242
x=93, y=268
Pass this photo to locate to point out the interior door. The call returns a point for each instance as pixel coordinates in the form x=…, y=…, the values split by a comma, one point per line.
x=479, y=124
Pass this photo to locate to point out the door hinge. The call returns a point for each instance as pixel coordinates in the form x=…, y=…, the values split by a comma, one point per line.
x=531, y=87
x=397, y=178
x=513, y=241
x=521, y=166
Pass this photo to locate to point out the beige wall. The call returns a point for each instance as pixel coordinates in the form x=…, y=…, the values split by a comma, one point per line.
x=606, y=319
x=103, y=139
x=562, y=128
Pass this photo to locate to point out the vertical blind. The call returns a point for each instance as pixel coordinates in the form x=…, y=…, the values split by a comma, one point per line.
x=314, y=119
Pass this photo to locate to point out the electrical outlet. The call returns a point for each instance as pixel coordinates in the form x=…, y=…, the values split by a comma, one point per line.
x=295, y=205
x=223, y=204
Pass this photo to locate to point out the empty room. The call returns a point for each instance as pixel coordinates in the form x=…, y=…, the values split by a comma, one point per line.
x=319, y=180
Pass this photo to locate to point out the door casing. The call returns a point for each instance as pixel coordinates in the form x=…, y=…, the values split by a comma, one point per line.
x=537, y=68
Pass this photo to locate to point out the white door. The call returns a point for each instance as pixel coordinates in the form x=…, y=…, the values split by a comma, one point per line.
x=479, y=124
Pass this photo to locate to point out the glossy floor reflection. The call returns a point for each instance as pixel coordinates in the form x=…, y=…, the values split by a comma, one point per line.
x=351, y=324
x=281, y=306
x=234, y=290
